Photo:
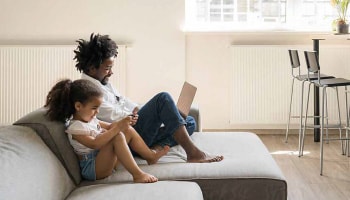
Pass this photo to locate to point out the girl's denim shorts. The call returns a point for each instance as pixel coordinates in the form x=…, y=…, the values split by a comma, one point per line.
x=87, y=166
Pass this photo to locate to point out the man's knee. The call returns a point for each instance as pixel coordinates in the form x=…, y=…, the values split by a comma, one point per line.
x=164, y=96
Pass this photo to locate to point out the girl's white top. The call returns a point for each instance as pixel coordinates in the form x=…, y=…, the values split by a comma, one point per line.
x=77, y=127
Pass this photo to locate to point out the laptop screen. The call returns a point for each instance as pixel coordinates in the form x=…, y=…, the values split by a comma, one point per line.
x=186, y=98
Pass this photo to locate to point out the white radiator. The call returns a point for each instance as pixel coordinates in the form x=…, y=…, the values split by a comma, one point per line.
x=27, y=73
x=261, y=84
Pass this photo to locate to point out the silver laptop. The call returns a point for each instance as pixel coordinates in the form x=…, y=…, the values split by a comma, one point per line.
x=186, y=98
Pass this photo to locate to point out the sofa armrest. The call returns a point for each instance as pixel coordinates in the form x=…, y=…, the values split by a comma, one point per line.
x=194, y=112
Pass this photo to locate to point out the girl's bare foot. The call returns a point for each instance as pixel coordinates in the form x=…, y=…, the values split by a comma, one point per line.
x=205, y=158
x=145, y=178
x=158, y=153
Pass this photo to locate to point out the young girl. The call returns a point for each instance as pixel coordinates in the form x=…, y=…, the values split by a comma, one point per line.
x=99, y=145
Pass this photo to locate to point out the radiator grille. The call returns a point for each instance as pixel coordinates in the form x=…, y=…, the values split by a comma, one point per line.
x=27, y=73
x=261, y=84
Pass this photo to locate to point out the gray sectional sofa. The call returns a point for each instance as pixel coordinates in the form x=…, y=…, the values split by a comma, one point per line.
x=37, y=162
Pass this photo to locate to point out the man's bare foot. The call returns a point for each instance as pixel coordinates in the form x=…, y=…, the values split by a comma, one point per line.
x=145, y=178
x=158, y=153
x=205, y=158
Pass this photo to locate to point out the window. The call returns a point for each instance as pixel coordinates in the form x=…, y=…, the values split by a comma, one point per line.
x=300, y=15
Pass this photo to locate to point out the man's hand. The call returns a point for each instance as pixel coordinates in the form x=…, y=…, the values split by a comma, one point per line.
x=136, y=110
x=135, y=116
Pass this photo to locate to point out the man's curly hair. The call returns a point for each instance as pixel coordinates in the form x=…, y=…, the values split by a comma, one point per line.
x=94, y=52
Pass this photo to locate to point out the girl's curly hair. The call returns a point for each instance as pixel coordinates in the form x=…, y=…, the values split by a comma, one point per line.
x=62, y=97
x=93, y=52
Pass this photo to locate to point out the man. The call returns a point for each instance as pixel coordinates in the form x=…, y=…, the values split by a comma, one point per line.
x=158, y=122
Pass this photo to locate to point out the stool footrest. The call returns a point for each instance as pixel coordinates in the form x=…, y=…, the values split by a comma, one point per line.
x=304, y=116
x=329, y=126
x=329, y=139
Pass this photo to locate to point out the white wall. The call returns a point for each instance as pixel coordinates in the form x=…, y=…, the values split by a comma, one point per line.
x=156, y=57
x=160, y=56
x=209, y=64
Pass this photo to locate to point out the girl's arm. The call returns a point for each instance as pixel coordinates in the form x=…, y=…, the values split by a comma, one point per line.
x=105, y=137
x=98, y=142
x=124, y=123
x=105, y=125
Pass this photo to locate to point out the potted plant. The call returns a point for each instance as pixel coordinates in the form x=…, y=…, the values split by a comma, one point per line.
x=341, y=25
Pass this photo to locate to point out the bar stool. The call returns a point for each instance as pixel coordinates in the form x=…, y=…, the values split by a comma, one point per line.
x=347, y=127
x=314, y=66
x=295, y=65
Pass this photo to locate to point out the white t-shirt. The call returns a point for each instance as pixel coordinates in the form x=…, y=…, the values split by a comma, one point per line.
x=114, y=106
x=77, y=127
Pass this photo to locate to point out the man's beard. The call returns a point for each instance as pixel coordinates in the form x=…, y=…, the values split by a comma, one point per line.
x=104, y=81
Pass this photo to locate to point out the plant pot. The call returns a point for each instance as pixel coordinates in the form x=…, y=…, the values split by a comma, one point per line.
x=342, y=28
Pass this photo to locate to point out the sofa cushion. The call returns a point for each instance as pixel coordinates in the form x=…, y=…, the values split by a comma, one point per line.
x=28, y=169
x=54, y=136
x=170, y=190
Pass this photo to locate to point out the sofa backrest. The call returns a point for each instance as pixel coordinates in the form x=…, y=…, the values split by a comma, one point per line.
x=28, y=169
x=54, y=136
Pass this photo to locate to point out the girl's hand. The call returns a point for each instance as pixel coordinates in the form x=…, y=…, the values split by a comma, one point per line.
x=123, y=124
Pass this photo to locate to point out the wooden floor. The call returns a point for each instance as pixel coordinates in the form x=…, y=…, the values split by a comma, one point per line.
x=303, y=173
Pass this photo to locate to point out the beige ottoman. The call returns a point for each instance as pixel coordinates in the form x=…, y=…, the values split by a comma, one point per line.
x=170, y=190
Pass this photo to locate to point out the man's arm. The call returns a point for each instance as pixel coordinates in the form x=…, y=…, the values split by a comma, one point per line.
x=111, y=112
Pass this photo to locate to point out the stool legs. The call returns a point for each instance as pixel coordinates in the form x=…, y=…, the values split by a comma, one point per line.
x=301, y=150
x=347, y=148
x=340, y=126
x=321, y=132
x=326, y=116
x=290, y=109
x=301, y=138
x=324, y=104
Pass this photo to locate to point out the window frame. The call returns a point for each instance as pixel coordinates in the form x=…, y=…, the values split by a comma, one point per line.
x=294, y=19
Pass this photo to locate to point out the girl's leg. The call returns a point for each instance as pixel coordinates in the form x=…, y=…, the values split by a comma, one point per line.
x=107, y=158
x=105, y=161
x=137, y=144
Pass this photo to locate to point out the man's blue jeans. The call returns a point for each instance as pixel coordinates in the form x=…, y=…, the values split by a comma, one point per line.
x=161, y=109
